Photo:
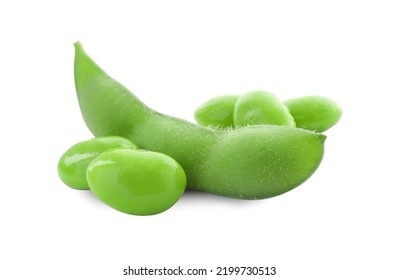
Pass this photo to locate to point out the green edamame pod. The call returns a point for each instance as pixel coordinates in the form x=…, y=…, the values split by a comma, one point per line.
x=73, y=163
x=261, y=107
x=249, y=163
x=316, y=113
x=261, y=161
x=217, y=112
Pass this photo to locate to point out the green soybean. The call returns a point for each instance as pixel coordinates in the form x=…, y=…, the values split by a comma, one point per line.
x=253, y=162
x=217, y=112
x=261, y=107
x=316, y=113
x=73, y=163
x=135, y=181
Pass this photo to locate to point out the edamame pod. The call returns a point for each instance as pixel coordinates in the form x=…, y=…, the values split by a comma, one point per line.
x=217, y=112
x=316, y=113
x=249, y=163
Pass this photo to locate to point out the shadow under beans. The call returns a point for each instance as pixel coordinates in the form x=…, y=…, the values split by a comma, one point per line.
x=191, y=196
x=90, y=197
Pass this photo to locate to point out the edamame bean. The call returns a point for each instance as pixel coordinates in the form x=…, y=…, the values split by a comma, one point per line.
x=316, y=113
x=217, y=112
x=135, y=181
x=261, y=107
x=73, y=163
x=253, y=162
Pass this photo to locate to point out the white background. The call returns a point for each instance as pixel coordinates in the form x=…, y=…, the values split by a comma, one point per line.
x=340, y=224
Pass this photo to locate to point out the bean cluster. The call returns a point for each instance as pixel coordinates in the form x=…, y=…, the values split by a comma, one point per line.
x=126, y=178
x=315, y=113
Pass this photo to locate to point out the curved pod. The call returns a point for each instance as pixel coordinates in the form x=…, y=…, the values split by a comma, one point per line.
x=207, y=156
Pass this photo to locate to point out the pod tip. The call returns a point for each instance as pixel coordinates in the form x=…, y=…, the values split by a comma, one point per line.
x=78, y=45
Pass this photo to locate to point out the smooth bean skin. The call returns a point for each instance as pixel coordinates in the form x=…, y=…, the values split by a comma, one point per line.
x=217, y=112
x=316, y=113
x=136, y=182
x=262, y=160
x=73, y=163
x=261, y=107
